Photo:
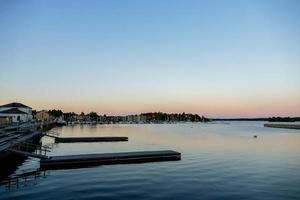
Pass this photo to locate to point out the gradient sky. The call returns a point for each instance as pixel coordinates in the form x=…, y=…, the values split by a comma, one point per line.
x=215, y=58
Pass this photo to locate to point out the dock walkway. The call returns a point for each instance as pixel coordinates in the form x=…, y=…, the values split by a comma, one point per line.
x=71, y=161
x=89, y=139
x=289, y=126
x=10, y=141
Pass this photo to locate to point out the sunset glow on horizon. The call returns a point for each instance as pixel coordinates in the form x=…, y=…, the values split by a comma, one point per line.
x=217, y=59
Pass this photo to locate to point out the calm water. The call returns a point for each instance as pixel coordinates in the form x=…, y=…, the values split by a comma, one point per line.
x=219, y=161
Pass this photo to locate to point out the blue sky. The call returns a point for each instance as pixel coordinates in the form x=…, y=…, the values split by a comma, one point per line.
x=217, y=58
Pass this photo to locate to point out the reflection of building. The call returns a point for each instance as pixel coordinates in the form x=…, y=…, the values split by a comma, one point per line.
x=16, y=112
x=43, y=115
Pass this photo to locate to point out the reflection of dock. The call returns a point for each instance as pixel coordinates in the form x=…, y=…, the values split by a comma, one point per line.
x=89, y=139
x=71, y=161
x=289, y=126
x=23, y=180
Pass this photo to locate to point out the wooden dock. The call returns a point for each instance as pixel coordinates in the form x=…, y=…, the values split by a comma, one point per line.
x=289, y=126
x=17, y=137
x=85, y=160
x=89, y=139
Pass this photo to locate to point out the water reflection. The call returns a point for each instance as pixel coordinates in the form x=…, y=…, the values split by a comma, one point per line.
x=11, y=162
x=26, y=179
x=184, y=137
x=218, y=161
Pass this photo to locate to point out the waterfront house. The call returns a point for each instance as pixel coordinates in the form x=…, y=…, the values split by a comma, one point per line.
x=16, y=112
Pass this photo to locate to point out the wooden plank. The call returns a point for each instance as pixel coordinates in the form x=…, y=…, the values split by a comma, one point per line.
x=289, y=126
x=89, y=139
x=74, y=161
x=21, y=138
x=9, y=138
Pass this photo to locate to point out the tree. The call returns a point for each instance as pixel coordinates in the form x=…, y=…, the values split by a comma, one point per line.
x=56, y=113
x=93, y=116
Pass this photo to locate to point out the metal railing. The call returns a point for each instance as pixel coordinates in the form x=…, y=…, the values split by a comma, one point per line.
x=31, y=148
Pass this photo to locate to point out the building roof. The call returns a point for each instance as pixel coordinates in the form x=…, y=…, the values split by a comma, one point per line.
x=12, y=111
x=16, y=105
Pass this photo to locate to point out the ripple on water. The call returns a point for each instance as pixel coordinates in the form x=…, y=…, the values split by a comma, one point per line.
x=217, y=163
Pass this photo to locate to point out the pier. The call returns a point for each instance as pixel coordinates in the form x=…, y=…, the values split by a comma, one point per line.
x=12, y=139
x=73, y=161
x=89, y=139
x=16, y=140
x=288, y=126
x=15, y=134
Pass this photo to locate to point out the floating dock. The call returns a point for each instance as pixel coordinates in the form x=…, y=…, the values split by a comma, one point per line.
x=289, y=126
x=89, y=139
x=74, y=161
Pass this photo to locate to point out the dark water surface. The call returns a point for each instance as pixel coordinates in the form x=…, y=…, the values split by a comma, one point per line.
x=219, y=161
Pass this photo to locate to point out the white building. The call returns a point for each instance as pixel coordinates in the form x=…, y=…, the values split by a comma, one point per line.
x=16, y=111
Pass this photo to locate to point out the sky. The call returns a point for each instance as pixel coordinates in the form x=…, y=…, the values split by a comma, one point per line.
x=225, y=58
